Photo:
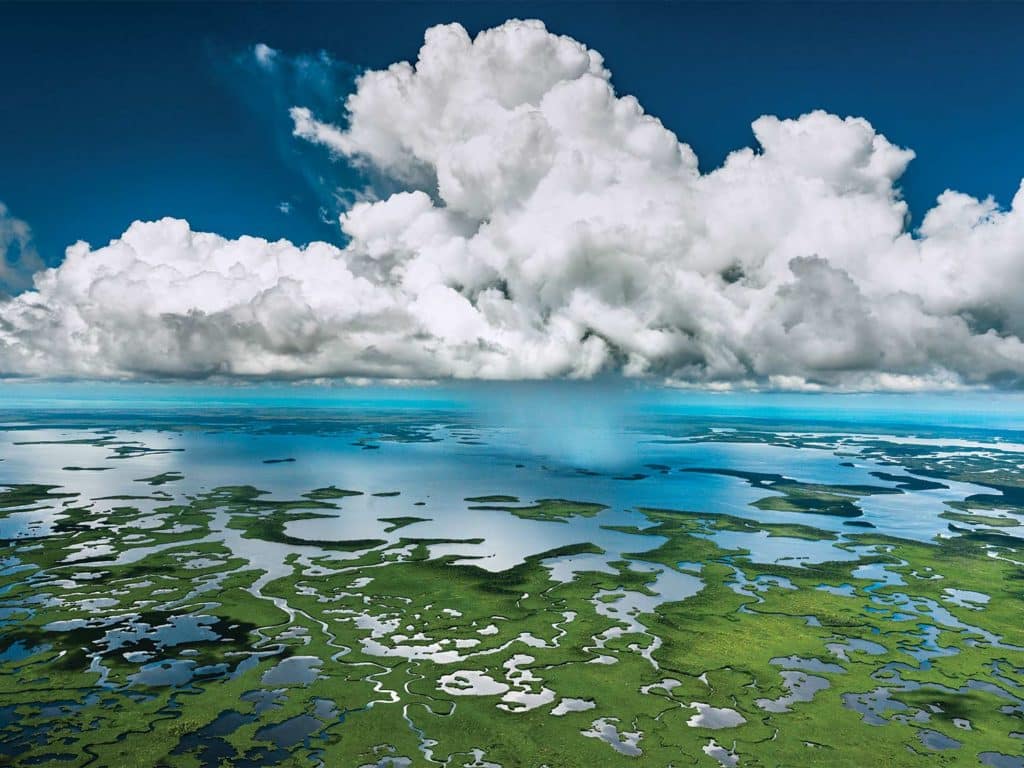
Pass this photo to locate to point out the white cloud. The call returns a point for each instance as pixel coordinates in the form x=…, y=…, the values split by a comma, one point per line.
x=265, y=55
x=551, y=228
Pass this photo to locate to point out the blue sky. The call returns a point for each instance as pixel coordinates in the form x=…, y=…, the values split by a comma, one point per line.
x=134, y=111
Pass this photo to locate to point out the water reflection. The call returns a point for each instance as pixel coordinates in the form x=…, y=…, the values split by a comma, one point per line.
x=427, y=458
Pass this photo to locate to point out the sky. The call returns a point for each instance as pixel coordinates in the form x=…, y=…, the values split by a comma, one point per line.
x=130, y=111
x=232, y=117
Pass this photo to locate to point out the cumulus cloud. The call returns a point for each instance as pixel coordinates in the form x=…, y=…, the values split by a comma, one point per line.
x=549, y=227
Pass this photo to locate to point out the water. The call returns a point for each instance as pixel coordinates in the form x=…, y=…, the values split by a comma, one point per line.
x=436, y=449
x=462, y=474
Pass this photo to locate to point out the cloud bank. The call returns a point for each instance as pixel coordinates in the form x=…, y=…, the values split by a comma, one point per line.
x=551, y=228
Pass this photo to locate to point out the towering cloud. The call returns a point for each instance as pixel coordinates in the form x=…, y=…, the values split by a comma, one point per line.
x=551, y=228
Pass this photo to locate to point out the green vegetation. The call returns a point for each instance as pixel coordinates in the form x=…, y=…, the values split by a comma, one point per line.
x=395, y=523
x=162, y=479
x=552, y=510
x=198, y=632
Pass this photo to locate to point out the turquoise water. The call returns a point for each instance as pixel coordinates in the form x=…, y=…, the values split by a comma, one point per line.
x=436, y=447
x=957, y=409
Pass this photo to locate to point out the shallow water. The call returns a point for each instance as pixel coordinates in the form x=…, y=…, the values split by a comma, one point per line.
x=435, y=459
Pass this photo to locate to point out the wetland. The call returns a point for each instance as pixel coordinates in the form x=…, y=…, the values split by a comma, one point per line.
x=406, y=584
